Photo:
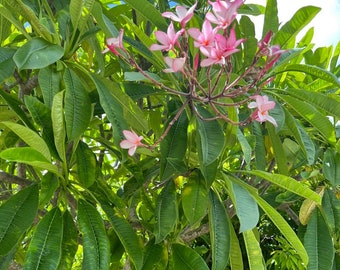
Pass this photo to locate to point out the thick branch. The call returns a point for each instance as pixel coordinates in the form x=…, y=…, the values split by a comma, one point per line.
x=13, y=179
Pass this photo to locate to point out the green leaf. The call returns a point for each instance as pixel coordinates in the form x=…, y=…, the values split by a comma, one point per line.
x=246, y=148
x=255, y=257
x=260, y=150
x=16, y=106
x=96, y=245
x=314, y=71
x=166, y=212
x=44, y=251
x=19, y=7
x=86, y=164
x=30, y=137
x=173, y=148
x=58, y=124
x=149, y=12
x=280, y=157
x=287, y=183
x=41, y=114
x=289, y=30
x=7, y=64
x=331, y=166
x=195, y=198
x=112, y=107
x=69, y=244
x=127, y=236
x=322, y=101
x=311, y=115
x=80, y=10
x=104, y=23
x=78, y=111
x=318, y=243
x=246, y=208
x=236, y=260
x=271, y=20
x=30, y=156
x=16, y=215
x=156, y=257
x=37, y=53
x=50, y=83
x=219, y=233
x=276, y=218
x=49, y=183
x=210, y=138
x=301, y=137
x=185, y=258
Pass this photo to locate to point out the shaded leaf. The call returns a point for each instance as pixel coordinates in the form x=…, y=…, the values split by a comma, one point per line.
x=16, y=215
x=185, y=258
x=44, y=251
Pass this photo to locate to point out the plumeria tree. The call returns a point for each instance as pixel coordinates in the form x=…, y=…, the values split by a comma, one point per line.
x=166, y=135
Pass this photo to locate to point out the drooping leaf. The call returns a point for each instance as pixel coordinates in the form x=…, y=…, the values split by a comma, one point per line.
x=312, y=115
x=287, y=183
x=314, y=71
x=301, y=137
x=246, y=208
x=30, y=137
x=246, y=148
x=16, y=215
x=44, y=251
x=37, y=53
x=86, y=164
x=78, y=111
x=331, y=166
x=127, y=236
x=290, y=29
x=195, y=198
x=276, y=218
x=166, y=212
x=318, y=243
x=69, y=244
x=185, y=258
x=96, y=245
x=255, y=257
x=173, y=148
x=235, y=255
x=30, y=156
x=219, y=232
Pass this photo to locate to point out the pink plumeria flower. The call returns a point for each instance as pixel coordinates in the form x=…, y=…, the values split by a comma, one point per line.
x=115, y=43
x=205, y=38
x=223, y=12
x=262, y=105
x=175, y=64
x=131, y=142
x=182, y=15
x=168, y=39
x=223, y=48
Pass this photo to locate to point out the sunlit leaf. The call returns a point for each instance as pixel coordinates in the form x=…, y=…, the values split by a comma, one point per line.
x=255, y=257
x=37, y=53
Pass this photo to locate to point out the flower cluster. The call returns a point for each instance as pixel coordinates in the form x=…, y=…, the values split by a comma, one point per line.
x=215, y=44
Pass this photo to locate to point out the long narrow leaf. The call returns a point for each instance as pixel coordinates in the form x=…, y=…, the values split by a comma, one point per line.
x=16, y=215
x=185, y=258
x=96, y=245
x=219, y=233
x=255, y=257
x=44, y=251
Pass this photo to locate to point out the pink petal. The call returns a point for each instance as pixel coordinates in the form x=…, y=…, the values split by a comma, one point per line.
x=130, y=135
x=132, y=150
x=125, y=144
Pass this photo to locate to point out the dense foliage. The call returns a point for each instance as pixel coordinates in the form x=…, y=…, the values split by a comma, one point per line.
x=233, y=157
